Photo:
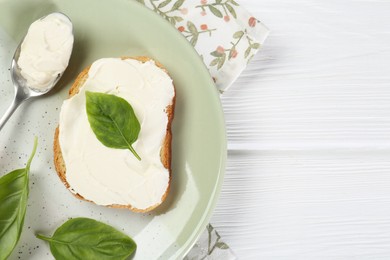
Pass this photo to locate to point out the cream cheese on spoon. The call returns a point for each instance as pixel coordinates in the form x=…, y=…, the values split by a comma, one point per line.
x=46, y=50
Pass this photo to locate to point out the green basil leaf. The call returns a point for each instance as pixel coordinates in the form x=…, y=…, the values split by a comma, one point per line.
x=13, y=204
x=84, y=238
x=113, y=121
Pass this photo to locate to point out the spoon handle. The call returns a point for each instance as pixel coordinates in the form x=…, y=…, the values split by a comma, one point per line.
x=20, y=96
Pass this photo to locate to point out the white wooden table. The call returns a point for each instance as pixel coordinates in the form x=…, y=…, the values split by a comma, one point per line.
x=308, y=124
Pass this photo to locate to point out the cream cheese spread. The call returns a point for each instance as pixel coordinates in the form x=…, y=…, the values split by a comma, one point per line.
x=46, y=50
x=109, y=176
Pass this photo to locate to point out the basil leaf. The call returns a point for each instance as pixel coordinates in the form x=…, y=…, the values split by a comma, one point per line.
x=13, y=204
x=113, y=121
x=84, y=238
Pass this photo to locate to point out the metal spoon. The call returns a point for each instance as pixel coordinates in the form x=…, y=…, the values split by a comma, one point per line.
x=22, y=90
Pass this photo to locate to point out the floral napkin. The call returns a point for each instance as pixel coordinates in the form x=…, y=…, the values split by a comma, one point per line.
x=226, y=36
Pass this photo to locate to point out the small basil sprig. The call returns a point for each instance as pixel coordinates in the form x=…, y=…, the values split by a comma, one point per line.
x=113, y=121
x=13, y=204
x=84, y=238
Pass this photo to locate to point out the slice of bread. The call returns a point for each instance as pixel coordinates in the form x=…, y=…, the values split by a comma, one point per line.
x=165, y=152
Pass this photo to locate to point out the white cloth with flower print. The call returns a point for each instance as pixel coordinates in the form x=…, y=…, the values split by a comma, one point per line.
x=210, y=247
x=224, y=34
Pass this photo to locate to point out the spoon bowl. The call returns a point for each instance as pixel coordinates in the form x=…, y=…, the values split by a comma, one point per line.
x=23, y=91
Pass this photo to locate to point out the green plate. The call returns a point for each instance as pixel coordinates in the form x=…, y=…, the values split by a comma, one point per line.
x=113, y=28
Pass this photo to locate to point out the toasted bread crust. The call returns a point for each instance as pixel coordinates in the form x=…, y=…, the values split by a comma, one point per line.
x=165, y=153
